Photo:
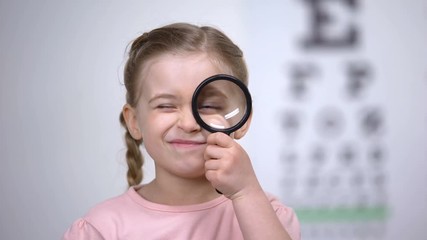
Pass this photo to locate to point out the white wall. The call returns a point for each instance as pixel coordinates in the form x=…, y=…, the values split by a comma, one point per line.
x=60, y=95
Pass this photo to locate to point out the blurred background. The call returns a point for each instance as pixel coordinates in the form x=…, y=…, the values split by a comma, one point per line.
x=340, y=119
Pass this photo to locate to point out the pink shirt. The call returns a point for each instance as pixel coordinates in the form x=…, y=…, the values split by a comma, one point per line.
x=129, y=216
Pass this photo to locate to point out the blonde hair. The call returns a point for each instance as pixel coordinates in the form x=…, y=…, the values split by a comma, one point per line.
x=180, y=38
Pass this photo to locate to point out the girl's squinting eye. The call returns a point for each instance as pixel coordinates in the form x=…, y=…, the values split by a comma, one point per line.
x=210, y=108
x=165, y=106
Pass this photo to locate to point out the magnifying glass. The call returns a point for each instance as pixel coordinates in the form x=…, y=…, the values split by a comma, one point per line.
x=221, y=103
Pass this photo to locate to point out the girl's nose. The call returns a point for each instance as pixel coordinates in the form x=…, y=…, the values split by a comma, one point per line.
x=187, y=122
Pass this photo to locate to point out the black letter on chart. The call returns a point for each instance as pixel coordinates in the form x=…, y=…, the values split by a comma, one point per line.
x=323, y=21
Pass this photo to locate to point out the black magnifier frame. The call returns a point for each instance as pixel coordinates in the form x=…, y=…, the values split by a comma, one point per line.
x=242, y=87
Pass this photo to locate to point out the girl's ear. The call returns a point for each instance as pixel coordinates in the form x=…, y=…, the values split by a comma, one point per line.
x=129, y=114
x=239, y=133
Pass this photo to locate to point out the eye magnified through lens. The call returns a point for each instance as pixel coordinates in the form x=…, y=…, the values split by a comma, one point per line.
x=221, y=103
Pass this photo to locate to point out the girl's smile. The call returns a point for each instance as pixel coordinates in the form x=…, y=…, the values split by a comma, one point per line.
x=184, y=143
x=187, y=145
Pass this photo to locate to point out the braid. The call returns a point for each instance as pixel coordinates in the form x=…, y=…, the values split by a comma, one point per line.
x=134, y=157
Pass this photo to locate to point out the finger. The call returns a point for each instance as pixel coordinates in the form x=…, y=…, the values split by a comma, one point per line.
x=211, y=176
x=212, y=165
x=213, y=152
x=220, y=139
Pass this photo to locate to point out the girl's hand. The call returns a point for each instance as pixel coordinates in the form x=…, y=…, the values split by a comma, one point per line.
x=228, y=167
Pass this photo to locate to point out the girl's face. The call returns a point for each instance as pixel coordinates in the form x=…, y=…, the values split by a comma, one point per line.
x=164, y=117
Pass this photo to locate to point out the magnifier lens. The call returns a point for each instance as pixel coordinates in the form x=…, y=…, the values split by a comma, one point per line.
x=222, y=104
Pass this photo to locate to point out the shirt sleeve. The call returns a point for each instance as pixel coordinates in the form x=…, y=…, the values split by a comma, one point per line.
x=82, y=230
x=287, y=217
x=289, y=220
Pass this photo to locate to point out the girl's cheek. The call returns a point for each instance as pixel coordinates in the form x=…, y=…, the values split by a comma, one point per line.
x=166, y=119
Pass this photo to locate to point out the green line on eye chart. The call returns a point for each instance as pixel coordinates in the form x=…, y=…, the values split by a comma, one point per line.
x=342, y=214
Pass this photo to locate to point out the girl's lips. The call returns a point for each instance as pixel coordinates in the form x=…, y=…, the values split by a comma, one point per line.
x=186, y=143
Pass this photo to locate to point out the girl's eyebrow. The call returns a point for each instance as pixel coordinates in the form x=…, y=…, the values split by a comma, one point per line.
x=161, y=96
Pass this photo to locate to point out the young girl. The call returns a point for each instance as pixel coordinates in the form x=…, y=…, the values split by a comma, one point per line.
x=164, y=68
